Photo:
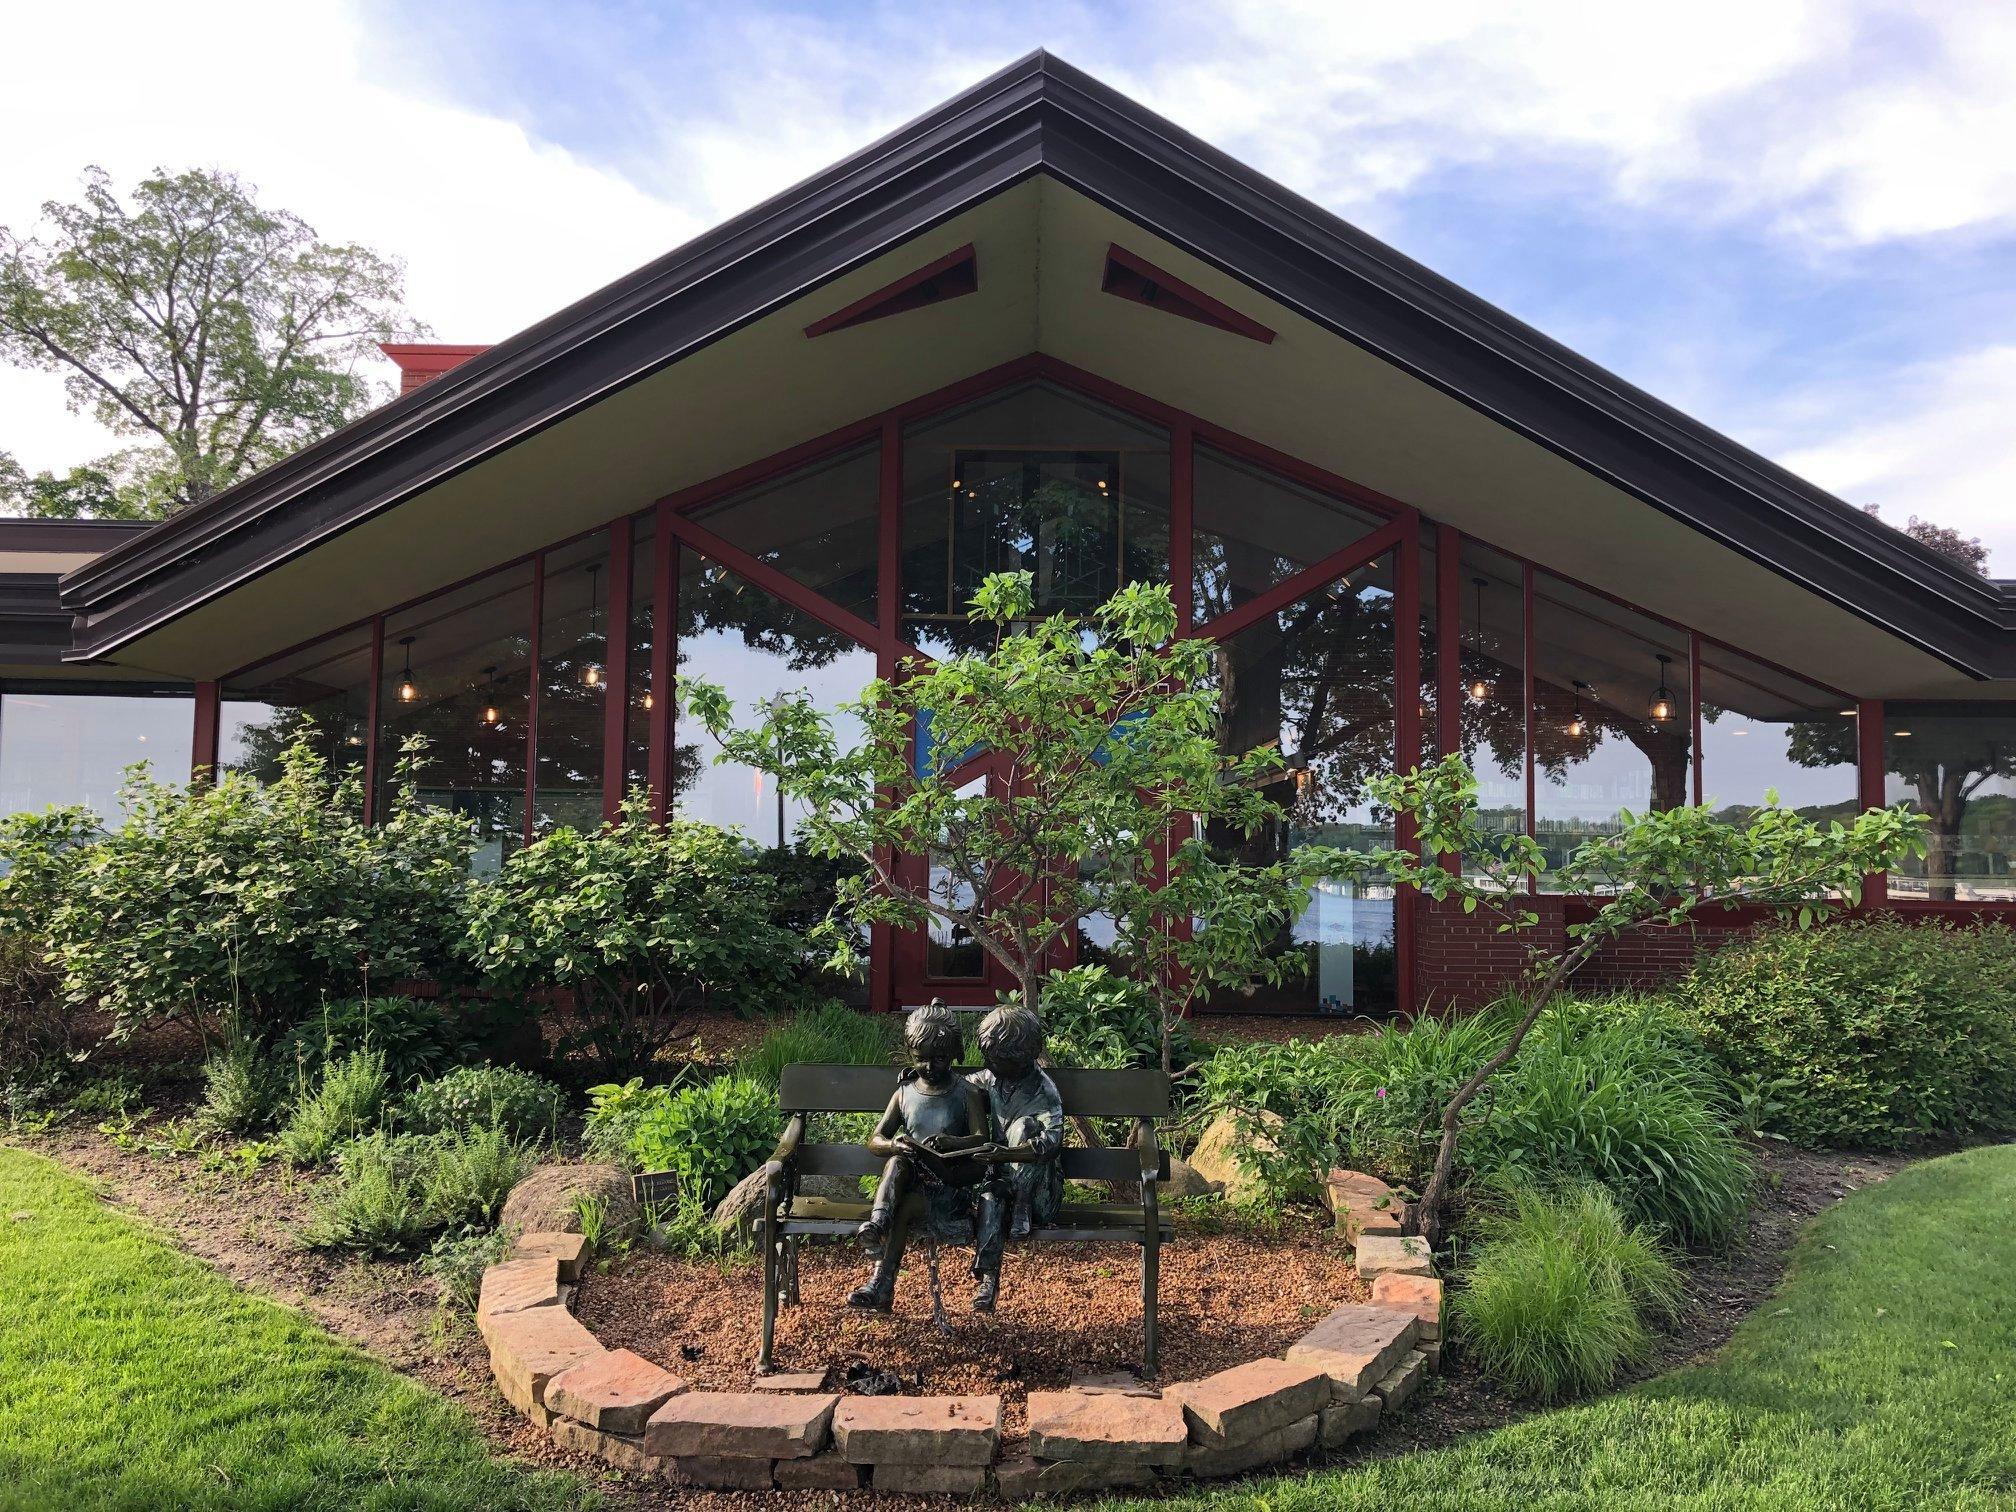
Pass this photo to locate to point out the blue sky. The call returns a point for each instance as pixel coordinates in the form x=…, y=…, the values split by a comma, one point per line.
x=1795, y=221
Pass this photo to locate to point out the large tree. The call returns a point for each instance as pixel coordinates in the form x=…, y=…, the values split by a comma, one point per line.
x=214, y=335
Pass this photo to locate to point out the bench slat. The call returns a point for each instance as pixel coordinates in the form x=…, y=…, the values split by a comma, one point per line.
x=867, y=1089
x=1102, y=1164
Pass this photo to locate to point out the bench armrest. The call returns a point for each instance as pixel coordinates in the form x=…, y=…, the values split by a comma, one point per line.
x=785, y=1153
x=1150, y=1152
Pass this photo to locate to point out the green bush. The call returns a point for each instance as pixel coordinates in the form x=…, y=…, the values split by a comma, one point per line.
x=1094, y=1018
x=523, y=1105
x=1557, y=1295
x=641, y=923
x=40, y=856
x=456, y=1262
x=1868, y=1032
x=390, y=1191
x=609, y=1131
x=416, y=1036
x=242, y=1088
x=710, y=1136
x=831, y=1034
x=347, y=1101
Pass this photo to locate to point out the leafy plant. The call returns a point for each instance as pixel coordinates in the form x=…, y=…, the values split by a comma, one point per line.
x=40, y=854
x=347, y=1101
x=710, y=1136
x=640, y=923
x=456, y=1262
x=523, y=1105
x=1871, y=1033
x=242, y=1088
x=417, y=1037
x=389, y=1191
x=1093, y=1017
x=831, y=1034
x=1557, y=1295
x=614, y=1111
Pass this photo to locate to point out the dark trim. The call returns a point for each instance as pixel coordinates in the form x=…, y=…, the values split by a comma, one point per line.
x=949, y=277
x=1183, y=522
x=68, y=535
x=1137, y=280
x=1869, y=753
x=203, y=734
x=372, y=712
x=537, y=675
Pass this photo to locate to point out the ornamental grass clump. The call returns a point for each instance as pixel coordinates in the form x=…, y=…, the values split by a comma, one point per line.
x=348, y=1101
x=1557, y=1297
x=831, y=1034
x=388, y=1192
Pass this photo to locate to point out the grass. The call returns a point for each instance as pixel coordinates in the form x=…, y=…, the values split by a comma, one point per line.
x=131, y=1376
x=1883, y=1376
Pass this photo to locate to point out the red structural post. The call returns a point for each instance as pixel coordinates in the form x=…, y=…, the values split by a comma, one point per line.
x=1869, y=773
x=203, y=740
x=1694, y=709
x=1449, y=649
x=1526, y=665
x=889, y=624
x=1182, y=521
x=532, y=693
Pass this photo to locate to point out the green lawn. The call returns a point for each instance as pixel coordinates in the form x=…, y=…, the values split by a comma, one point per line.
x=133, y=1376
x=1883, y=1376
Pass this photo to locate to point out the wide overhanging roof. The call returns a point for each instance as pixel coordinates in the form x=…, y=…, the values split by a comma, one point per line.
x=1381, y=371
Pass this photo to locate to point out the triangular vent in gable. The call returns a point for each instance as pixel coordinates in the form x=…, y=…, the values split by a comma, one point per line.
x=1137, y=279
x=950, y=276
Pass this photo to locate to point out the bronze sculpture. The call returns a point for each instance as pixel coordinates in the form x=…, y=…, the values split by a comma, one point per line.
x=1026, y=1124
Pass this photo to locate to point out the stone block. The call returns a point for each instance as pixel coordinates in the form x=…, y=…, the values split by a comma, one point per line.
x=1024, y=1477
x=624, y=1451
x=720, y=1473
x=1107, y=1427
x=1356, y=1345
x=1122, y=1381
x=1400, y=1382
x=1336, y=1425
x=519, y=1395
x=1393, y=1254
x=514, y=1285
x=929, y=1480
x=918, y=1430
x=529, y=1348
x=1239, y=1405
x=1432, y=1348
x=615, y=1392
x=570, y=1250
x=1206, y=1461
x=765, y=1425
x=1363, y=1204
x=783, y=1380
x=1420, y=1295
x=827, y=1471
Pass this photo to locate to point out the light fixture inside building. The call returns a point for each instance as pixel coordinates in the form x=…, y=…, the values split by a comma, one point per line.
x=1577, y=725
x=1661, y=706
x=591, y=673
x=1479, y=686
x=647, y=699
x=408, y=689
x=492, y=717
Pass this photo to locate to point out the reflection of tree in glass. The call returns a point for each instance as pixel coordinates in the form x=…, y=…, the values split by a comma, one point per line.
x=335, y=735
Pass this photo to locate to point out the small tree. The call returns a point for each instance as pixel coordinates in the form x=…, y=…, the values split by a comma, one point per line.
x=1659, y=869
x=1102, y=735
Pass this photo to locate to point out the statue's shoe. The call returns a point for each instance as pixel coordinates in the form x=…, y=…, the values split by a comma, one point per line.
x=872, y=1298
x=870, y=1236
x=985, y=1293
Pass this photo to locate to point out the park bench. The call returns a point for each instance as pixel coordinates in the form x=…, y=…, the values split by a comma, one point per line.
x=805, y=1090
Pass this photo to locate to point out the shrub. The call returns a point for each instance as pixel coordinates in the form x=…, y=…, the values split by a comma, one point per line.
x=457, y=1260
x=347, y=1101
x=389, y=1191
x=236, y=897
x=710, y=1136
x=1094, y=1018
x=40, y=856
x=614, y=1111
x=1869, y=1032
x=242, y=1088
x=469, y=1174
x=1556, y=1298
x=523, y=1105
x=416, y=1037
x=831, y=1034
x=641, y=923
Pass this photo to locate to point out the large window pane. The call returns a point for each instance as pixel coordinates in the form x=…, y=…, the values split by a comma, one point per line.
x=640, y=697
x=1254, y=528
x=1035, y=479
x=64, y=748
x=321, y=693
x=1491, y=711
x=1956, y=765
x=1430, y=703
x=817, y=525
x=1612, y=723
x=1763, y=730
x=573, y=685
x=458, y=672
x=1316, y=678
x=951, y=953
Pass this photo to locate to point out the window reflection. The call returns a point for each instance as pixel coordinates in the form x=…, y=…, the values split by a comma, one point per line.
x=640, y=697
x=321, y=693
x=74, y=748
x=1491, y=686
x=817, y=525
x=1763, y=730
x=573, y=685
x=951, y=953
x=1956, y=765
x=1254, y=529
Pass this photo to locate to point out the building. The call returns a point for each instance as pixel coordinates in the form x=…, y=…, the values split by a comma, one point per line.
x=1041, y=326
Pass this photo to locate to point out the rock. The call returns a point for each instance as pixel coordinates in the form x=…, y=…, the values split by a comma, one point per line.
x=830, y=1471
x=1356, y=1346
x=1432, y=1348
x=1363, y=1204
x=930, y=1480
x=802, y=1380
x=1400, y=1382
x=1420, y=1295
x=763, y=1425
x=918, y=1430
x=1107, y=1427
x=570, y=1251
x=1393, y=1254
x=543, y=1203
x=1184, y=1181
x=1336, y=1425
x=1239, y=1405
x=1025, y=1476
x=1206, y=1460
x=529, y=1348
x=1123, y=1381
x=742, y=1209
x=615, y=1392
x=625, y=1453
x=512, y=1286
x=721, y=1473
x=1216, y=1158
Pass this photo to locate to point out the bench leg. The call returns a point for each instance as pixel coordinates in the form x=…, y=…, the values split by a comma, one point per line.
x=791, y=1297
x=1151, y=1269
x=764, y=1360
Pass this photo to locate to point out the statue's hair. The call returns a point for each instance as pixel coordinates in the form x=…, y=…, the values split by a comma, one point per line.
x=929, y=1025
x=1014, y=1029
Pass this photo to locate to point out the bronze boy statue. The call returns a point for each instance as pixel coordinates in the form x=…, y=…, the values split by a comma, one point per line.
x=1026, y=1122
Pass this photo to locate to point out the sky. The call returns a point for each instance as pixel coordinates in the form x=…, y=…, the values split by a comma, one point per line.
x=1795, y=221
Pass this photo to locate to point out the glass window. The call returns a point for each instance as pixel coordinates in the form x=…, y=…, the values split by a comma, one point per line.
x=1316, y=679
x=458, y=672
x=1612, y=721
x=65, y=748
x=322, y=692
x=1491, y=713
x=1035, y=479
x=1763, y=730
x=1253, y=529
x=1955, y=764
x=639, y=697
x=816, y=525
x=951, y=953
x=756, y=647
x=1430, y=701
x=573, y=685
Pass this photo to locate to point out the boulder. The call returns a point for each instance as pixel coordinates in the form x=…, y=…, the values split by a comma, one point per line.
x=1216, y=1158
x=742, y=1209
x=544, y=1202
x=1185, y=1181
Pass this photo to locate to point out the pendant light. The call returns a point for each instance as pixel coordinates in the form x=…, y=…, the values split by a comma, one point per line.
x=1479, y=687
x=408, y=689
x=1577, y=725
x=1661, y=707
x=492, y=717
x=591, y=674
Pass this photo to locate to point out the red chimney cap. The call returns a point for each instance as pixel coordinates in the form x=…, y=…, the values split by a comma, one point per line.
x=420, y=361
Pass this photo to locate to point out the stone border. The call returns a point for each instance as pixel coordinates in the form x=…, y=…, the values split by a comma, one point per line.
x=791, y=1434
